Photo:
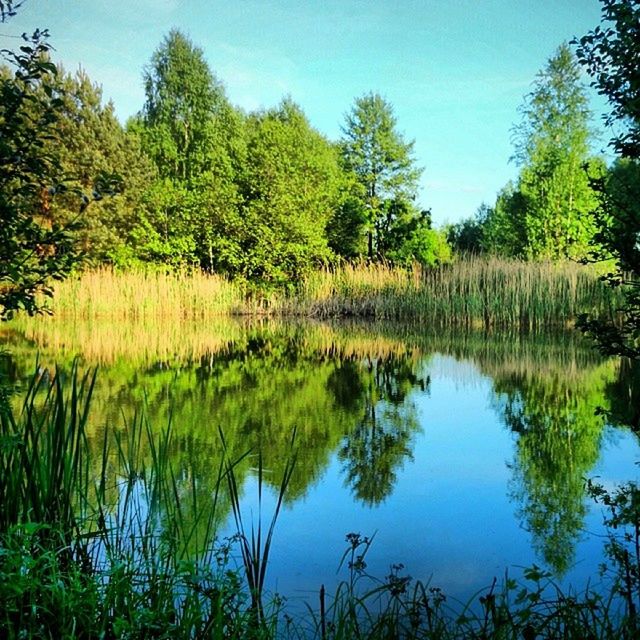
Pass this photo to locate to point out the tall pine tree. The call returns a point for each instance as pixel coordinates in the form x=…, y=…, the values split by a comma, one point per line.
x=382, y=163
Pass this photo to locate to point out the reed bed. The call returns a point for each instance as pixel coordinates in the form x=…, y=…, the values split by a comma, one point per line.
x=139, y=294
x=475, y=291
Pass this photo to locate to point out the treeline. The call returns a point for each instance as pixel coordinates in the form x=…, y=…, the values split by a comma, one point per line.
x=548, y=211
x=262, y=196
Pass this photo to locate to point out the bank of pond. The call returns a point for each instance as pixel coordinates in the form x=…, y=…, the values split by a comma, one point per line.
x=472, y=292
x=408, y=467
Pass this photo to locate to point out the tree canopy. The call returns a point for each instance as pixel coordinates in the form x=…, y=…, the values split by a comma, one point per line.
x=547, y=212
x=34, y=247
x=382, y=163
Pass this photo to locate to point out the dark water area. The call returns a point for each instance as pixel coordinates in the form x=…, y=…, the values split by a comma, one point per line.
x=465, y=455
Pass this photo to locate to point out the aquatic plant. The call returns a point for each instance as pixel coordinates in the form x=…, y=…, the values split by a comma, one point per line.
x=474, y=291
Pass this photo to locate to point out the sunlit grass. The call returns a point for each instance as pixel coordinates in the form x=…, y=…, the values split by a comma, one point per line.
x=107, y=293
x=475, y=291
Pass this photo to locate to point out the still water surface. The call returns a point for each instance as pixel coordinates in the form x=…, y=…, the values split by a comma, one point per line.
x=465, y=454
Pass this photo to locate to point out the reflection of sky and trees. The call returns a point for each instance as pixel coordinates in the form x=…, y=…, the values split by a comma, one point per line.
x=363, y=404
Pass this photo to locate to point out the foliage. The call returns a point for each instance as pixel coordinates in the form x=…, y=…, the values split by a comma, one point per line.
x=408, y=237
x=291, y=187
x=346, y=230
x=89, y=142
x=503, y=226
x=467, y=236
x=76, y=555
x=195, y=138
x=377, y=154
x=552, y=146
x=610, y=54
x=33, y=248
x=397, y=606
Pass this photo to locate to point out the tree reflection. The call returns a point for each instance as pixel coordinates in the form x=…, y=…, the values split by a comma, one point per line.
x=559, y=435
x=623, y=394
x=382, y=439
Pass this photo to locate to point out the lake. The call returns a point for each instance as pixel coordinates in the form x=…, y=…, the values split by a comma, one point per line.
x=463, y=454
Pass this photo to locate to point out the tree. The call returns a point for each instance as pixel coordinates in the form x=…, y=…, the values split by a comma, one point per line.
x=195, y=138
x=182, y=96
x=610, y=54
x=466, y=236
x=381, y=161
x=291, y=188
x=33, y=248
x=90, y=141
x=504, y=230
x=552, y=146
x=410, y=237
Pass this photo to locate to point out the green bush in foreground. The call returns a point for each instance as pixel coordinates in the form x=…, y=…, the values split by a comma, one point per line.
x=130, y=551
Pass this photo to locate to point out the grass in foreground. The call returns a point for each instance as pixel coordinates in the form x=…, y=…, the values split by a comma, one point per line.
x=132, y=553
x=474, y=291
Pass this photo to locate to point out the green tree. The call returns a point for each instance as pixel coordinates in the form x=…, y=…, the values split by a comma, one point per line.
x=410, y=237
x=90, y=141
x=33, y=248
x=382, y=162
x=291, y=189
x=466, y=236
x=182, y=96
x=347, y=227
x=196, y=140
x=610, y=54
x=504, y=225
x=552, y=146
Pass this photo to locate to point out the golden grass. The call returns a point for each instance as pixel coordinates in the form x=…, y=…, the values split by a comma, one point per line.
x=472, y=292
x=106, y=293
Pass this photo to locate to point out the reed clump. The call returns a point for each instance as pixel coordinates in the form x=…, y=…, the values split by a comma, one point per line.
x=106, y=293
x=127, y=552
x=471, y=292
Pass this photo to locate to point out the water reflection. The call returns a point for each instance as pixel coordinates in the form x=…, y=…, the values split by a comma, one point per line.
x=354, y=395
x=382, y=439
x=559, y=436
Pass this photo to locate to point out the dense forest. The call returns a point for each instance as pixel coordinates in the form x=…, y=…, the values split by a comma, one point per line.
x=263, y=197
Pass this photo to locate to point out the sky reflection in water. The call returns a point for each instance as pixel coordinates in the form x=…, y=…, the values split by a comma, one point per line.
x=464, y=455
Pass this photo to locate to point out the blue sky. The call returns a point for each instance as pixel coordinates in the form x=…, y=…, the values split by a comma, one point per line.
x=454, y=70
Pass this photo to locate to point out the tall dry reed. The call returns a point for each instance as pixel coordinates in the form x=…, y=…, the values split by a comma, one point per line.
x=475, y=291
x=107, y=293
